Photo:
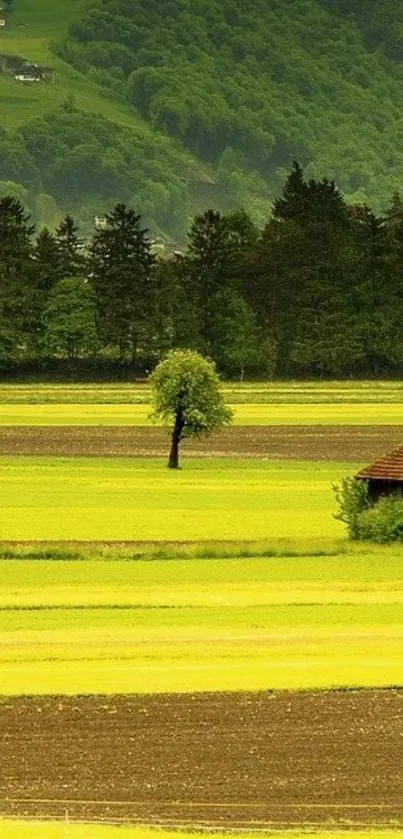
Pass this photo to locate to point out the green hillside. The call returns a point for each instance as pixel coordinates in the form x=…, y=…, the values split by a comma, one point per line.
x=31, y=30
x=175, y=105
x=48, y=131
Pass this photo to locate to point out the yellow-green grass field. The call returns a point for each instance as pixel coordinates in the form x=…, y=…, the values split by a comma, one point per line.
x=120, y=626
x=54, y=414
x=40, y=830
x=96, y=499
x=254, y=403
x=263, y=392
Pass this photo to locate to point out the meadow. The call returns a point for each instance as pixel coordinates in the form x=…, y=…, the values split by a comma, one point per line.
x=254, y=403
x=54, y=414
x=247, y=579
x=170, y=626
x=256, y=392
x=114, y=499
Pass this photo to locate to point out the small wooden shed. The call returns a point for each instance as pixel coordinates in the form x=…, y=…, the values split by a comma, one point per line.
x=384, y=476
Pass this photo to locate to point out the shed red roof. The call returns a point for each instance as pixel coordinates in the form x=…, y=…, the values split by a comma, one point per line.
x=389, y=467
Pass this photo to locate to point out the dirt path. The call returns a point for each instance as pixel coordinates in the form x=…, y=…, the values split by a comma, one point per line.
x=303, y=442
x=325, y=758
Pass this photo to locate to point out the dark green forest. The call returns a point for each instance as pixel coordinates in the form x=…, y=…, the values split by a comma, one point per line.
x=318, y=291
x=248, y=88
x=70, y=156
x=232, y=93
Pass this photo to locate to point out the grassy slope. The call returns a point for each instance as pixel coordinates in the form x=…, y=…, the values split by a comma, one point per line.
x=201, y=625
x=32, y=28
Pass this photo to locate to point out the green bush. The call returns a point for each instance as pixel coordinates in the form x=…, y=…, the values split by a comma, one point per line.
x=383, y=522
x=352, y=498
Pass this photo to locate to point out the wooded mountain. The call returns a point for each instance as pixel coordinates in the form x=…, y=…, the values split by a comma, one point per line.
x=223, y=95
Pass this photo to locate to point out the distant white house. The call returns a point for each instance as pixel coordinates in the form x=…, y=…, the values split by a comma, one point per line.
x=27, y=77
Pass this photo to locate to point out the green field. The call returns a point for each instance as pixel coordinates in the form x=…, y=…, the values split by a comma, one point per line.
x=104, y=622
x=195, y=625
x=257, y=403
x=127, y=499
x=241, y=393
x=80, y=413
x=188, y=612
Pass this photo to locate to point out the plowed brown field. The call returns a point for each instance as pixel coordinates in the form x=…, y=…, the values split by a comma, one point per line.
x=325, y=758
x=303, y=442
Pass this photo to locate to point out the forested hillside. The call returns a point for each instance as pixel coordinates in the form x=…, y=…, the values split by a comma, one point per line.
x=66, y=144
x=177, y=105
x=248, y=88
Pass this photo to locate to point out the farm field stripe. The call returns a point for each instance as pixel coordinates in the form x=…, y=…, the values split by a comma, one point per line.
x=122, y=499
x=276, y=442
x=319, y=757
x=245, y=414
x=118, y=829
x=287, y=622
x=256, y=392
x=208, y=804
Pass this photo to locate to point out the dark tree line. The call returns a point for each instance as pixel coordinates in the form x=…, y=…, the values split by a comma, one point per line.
x=317, y=292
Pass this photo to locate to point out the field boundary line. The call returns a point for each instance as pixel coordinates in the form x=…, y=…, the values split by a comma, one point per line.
x=193, y=804
x=210, y=827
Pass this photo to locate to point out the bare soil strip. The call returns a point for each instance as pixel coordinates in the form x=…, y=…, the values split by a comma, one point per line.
x=331, y=758
x=301, y=442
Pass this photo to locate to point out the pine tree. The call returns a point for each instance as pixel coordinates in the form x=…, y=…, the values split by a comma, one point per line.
x=291, y=205
x=217, y=248
x=70, y=319
x=304, y=272
x=377, y=290
x=123, y=275
x=310, y=202
x=45, y=274
x=72, y=262
x=48, y=269
x=16, y=276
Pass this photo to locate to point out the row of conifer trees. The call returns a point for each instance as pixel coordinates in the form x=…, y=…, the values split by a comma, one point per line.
x=317, y=292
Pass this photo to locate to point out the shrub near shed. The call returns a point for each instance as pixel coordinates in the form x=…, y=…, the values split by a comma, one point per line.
x=383, y=522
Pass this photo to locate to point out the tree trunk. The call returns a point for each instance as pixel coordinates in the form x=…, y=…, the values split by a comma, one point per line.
x=173, y=462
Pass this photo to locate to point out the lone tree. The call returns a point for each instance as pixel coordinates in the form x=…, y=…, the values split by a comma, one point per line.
x=186, y=392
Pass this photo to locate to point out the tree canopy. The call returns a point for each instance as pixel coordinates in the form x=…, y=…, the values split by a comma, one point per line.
x=186, y=393
x=70, y=319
